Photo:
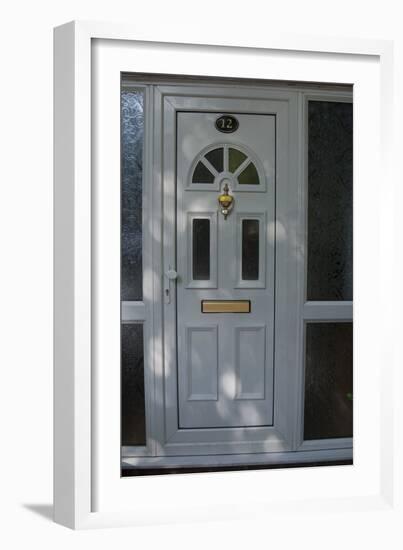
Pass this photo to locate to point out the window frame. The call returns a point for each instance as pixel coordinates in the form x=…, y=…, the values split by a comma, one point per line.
x=323, y=311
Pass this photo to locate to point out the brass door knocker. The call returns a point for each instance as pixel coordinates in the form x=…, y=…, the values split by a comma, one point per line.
x=226, y=201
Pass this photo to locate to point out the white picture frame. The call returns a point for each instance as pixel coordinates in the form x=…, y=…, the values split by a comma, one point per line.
x=88, y=490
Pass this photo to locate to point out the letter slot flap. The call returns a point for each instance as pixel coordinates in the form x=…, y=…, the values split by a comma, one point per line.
x=225, y=306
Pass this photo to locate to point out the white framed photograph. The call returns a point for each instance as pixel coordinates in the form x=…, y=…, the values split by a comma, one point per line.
x=216, y=217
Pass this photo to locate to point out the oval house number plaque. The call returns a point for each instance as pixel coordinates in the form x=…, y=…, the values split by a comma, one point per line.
x=227, y=124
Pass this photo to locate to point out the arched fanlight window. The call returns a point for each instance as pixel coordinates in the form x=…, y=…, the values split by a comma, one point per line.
x=228, y=159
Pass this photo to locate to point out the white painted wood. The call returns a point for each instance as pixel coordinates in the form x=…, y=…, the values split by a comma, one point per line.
x=267, y=438
x=165, y=187
x=320, y=311
x=371, y=209
x=196, y=132
x=263, y=442
x=328, y=311
x=133, y=311
x=148, y=271
x=287, y=260
x=351, y=46
x=301, y=235
x=199, y=378
x=64, y=485
x=306, y=456
x=327, y=444
x=132, y=79
x=250, y=362
x=135, y=450
x=72, y=273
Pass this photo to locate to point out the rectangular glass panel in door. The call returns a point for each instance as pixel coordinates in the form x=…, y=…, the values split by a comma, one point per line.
x=225, y=354
x=201, y=249
x=250, y=250
x=330, y=201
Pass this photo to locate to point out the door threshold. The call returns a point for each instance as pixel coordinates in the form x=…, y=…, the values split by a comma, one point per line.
x=238, y=460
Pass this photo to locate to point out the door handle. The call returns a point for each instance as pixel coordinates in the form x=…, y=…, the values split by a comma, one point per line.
x=170, y=275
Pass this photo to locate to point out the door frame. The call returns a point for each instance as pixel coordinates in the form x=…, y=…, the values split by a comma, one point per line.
x=280, y=437
x=166, y=444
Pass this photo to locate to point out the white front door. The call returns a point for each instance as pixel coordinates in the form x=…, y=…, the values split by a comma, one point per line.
x=225, y=265
x=228, y=383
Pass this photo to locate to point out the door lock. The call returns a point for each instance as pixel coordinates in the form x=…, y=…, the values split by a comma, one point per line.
x=171, y=275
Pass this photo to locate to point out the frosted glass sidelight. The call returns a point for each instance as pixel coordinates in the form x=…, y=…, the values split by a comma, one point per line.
x=132, y=385
x=330, y=201
x=328, y=380
x=132, y=138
